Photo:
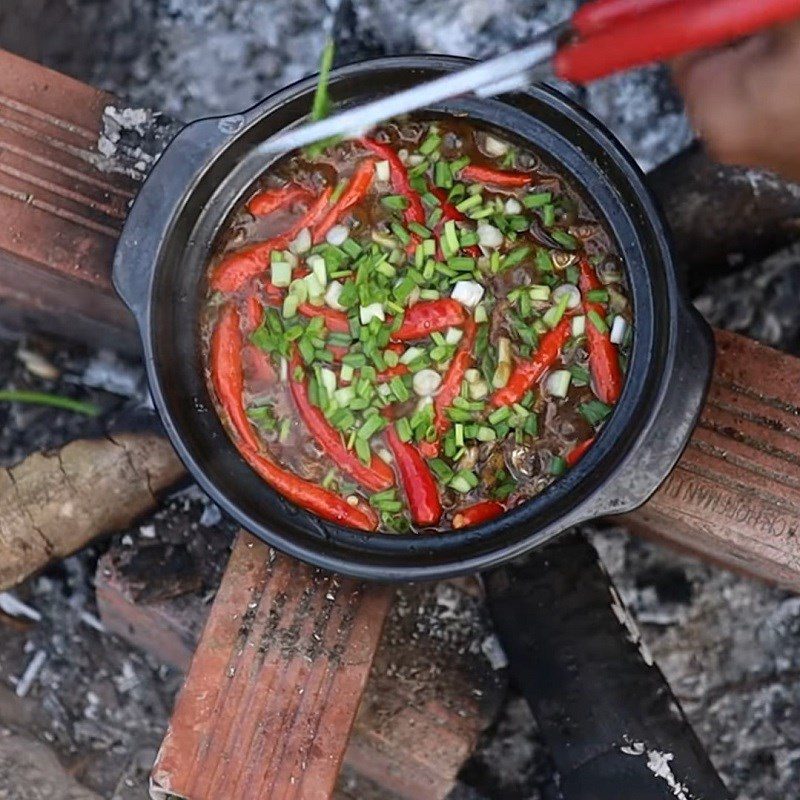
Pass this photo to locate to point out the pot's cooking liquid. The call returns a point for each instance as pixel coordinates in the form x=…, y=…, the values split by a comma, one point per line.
x=522, y=357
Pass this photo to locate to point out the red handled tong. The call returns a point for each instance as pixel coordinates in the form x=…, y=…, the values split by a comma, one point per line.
x=601, y=38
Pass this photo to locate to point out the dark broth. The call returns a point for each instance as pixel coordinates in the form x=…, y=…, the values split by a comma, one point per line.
x=547, y=276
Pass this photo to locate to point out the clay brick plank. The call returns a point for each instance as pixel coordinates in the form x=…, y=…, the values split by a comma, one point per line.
x=61, y=203
x=430, y=694
x=275, y=683
x=734, y=497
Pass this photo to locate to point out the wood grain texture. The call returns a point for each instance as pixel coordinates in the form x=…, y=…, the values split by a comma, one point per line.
x=62, y=206
x=55, y=503
x=734, y=497
x=275, y=683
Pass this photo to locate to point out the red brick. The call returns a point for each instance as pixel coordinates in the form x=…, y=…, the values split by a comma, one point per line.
x=275, y=683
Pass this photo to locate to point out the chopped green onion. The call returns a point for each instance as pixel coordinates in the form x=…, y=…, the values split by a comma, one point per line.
x=471, y=202
x=290, y=305
x=537, y=200
x=396, y=202
x=557, y=466
x=514, y=257
x=442, y=176
x=441, y=470
x=362, y=448
x=565, y=239
x=430, y=144
x=451, y=236
x=399, y=388
x=594, y=412
x=597, y=296
x=539, y=293
x=371, y=426
x=420, y=230
x=597, y=321
x=553, y=315
x=281, y=273
x=403, y=428
x=400, y=232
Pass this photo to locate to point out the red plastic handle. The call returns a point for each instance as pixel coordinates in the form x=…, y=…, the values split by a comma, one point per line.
x=594, y=17
x=666, y=31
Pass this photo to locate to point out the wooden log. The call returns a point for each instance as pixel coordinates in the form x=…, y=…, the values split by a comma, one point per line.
x=53, y=504
x=275, y=684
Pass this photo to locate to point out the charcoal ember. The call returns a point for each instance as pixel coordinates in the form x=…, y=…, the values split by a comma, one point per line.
x=759, y=301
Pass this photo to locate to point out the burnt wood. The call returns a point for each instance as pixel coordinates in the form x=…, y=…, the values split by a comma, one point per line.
x=605, y=710
x=723, y=218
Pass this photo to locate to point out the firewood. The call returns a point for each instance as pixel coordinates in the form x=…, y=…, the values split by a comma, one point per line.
x=55, y=503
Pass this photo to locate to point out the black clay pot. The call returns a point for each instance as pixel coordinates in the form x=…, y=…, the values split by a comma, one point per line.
x=159, y=272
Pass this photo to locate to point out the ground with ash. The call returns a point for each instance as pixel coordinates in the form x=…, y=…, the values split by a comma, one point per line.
x=730, y=647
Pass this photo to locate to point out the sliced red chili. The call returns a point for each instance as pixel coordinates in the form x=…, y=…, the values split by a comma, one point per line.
x=496, y=177
x=376, y=476
x=477, y=513
x=256, y=363
x=419, y=484
x=526, y=373
x=451, y=386
x=269, y=200
x=603, y=356
x=325, y=504
x=335, y=321
x=432, y=315
x=237, y=268
x=578, y=452
x=254, y=312
x=400, y=181
x=356, y=190
x=227, y=374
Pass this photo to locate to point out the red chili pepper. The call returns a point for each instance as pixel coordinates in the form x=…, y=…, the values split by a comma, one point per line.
x=377, y=476
x=227, y=374
x=335, y=321
x=451, y=386
x=477, y=513
x=270, y=200
x=254, y=312
x=528, y=372
x=578, y=452
x=325, y=504
x=400, y=181
x=603, y=356
x=256, y=363
x=398, y=369
x=497, y=177
x=237, y=268
x=432, y=315
x=450, y=212
x=418, y=482
x=356, y=190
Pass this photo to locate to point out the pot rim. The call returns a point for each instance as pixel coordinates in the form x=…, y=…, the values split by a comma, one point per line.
x=380, y=556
